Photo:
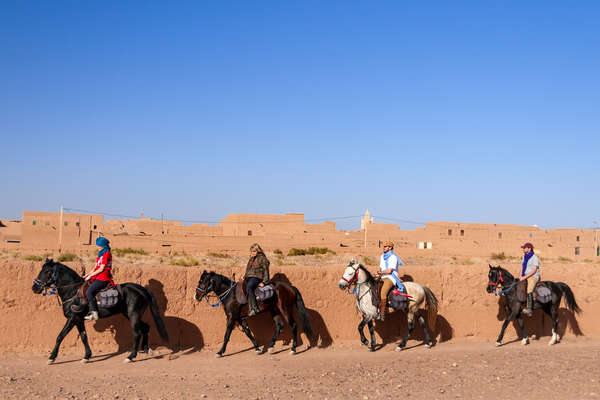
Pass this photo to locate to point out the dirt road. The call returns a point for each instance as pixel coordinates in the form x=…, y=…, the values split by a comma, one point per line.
x=457, y=369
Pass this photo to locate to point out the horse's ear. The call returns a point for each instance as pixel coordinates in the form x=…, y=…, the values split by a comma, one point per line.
x=490, y=265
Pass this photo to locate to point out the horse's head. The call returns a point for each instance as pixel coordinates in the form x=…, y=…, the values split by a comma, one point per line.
x=206, y=284
x=46, y=278
x=350, y=275
x=495, y=278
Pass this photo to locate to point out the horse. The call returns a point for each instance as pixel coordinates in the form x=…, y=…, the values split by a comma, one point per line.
x=133, y=301
x=499, y=277
x=283, y=302
x=356, y=274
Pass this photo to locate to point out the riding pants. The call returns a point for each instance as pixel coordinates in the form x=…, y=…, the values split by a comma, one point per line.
x=388, y=284
x=94, y=288
x=251, y=284
x=531, y=282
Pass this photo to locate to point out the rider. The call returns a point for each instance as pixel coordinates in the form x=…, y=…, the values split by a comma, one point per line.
x=388, y=266
x=257, y=274
x=531, y=273
x=100, y=277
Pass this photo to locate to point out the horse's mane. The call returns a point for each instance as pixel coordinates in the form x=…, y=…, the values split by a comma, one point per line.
x=370, y=278
x=505, y=273
x=63, y=269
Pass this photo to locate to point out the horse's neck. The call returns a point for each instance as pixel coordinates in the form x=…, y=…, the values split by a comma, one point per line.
x=222, y=286
x=507, y=277
x=68, y=282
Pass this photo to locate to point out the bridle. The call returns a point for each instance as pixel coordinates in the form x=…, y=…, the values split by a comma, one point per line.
x=500, y=282
x=353, y=280
x=204, y=293
x=49, y=287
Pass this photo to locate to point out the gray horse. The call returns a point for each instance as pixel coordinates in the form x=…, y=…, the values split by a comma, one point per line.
x=355, y=274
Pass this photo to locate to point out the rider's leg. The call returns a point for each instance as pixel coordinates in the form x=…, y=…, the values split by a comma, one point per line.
x=388, y=284
x=531, y=282
x=94, y=288
x=251, y=284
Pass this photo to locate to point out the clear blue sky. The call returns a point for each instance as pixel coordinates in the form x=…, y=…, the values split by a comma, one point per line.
x=461, y=111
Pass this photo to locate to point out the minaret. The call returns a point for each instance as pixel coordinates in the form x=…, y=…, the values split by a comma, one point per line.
x=365, y=220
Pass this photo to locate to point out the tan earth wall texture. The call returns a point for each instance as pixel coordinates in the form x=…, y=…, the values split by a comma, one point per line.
x=31, y=322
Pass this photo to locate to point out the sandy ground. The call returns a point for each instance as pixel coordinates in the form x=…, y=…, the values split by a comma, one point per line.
x=457, y=369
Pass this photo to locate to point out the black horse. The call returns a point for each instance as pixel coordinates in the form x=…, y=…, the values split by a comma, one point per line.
x=501, y=278
x=133, y=302
x=285, y=299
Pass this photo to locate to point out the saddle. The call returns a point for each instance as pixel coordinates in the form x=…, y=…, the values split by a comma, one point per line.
x=106, y=298
x=262, y=293
x=541, y=293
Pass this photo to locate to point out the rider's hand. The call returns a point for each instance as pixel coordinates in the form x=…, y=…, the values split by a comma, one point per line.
x=261, y=284
x=87, y=278
x=522, y=278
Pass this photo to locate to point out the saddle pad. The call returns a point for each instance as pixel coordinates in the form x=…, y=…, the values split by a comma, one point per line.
x=262, y=293
x=544, y=295
x=396, y=300
x=108, y=298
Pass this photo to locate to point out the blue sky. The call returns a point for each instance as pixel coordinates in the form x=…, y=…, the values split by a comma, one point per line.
x=458, y=111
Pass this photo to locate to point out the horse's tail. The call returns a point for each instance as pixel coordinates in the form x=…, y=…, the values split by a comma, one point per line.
x=569, y=297
x=302, y=313
x=147, y=294
x=432, y=308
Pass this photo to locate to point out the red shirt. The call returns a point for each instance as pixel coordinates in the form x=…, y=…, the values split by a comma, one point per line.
x=106, y=274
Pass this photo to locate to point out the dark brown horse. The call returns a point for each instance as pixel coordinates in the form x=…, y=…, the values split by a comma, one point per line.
x=283, y=302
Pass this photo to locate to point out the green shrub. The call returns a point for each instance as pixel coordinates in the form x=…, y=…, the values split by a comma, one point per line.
x=33, y=257
x=310, y=251
x=129, y=250
x=564, y=259
x=218, y=255
x=369, y=261
x=278, y=252
x=66, y=257
x=498, y=256
x=186, y=261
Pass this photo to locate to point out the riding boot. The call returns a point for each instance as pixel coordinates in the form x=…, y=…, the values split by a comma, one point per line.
x=252, y=304
x=529, y=310
x=382, y=307
x=92, y=316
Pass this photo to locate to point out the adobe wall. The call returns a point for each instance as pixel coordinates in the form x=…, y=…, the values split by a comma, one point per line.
x=31, y=322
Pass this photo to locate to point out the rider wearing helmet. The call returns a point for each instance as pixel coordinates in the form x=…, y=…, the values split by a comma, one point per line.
x=257, y=274
x=388, y=271
x=530, y=272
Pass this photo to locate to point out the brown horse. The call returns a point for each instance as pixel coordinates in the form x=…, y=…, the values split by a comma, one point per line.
x=283, y=302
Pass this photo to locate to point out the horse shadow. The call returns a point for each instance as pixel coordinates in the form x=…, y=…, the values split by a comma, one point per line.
x=263, y=327
x=183, y=335
x=540, y=323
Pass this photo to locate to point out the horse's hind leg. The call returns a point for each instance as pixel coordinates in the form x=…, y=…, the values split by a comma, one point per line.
x=145, y=328
x=136, y=326
x=525, y=340
x=421, y=321
x=554, y=315
x=278, y=326
x=294, y=327
x=83, y=335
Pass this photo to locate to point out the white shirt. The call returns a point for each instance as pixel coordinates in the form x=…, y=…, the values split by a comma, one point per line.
x=393, y=262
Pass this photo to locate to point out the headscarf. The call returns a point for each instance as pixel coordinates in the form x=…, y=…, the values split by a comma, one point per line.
x=103, y=242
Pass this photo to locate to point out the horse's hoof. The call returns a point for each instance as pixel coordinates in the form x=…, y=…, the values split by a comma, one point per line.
x=50, y=361
x=84, y=360
x=399, y=348
x=149, y=352
x=292, y=352
x=525, y=342
x=271, y=350
x=498, y=344
x=127, y=360
x=258, y=351
x=218, y=355
x=427, y=346
x=552, y=342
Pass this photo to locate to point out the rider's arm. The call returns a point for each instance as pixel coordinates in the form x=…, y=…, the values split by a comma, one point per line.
x=533, y=271
x=95, y=272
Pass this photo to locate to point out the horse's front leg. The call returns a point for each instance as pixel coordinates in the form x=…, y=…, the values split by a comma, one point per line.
x=525, y=339
x=511, y=316
x=65, y=330
x=411, y=325
x=230, y=325
x=372, y=332
x=83, y=335
x=361, y=327
x=249, y=334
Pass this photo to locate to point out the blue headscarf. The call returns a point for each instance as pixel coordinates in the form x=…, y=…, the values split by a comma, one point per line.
x=388, y=255
x=526, y=258
x=101, y=241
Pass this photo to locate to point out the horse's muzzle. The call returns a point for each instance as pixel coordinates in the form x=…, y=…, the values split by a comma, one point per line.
x=342, y=284
x=37, y=289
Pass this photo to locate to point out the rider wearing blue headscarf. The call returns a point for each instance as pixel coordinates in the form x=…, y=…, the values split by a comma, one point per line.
x=100, y=277
x=388, y=266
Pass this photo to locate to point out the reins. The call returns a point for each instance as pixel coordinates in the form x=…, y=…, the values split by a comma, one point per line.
x=221, y=297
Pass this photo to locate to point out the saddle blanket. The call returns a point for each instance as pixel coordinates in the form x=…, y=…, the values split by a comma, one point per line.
x=541, y=293
x=262, y=293
x=106, y=298
x=397, y=300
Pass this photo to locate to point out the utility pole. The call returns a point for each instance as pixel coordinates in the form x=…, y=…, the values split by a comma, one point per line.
x=366, y=235
x=60, y=229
